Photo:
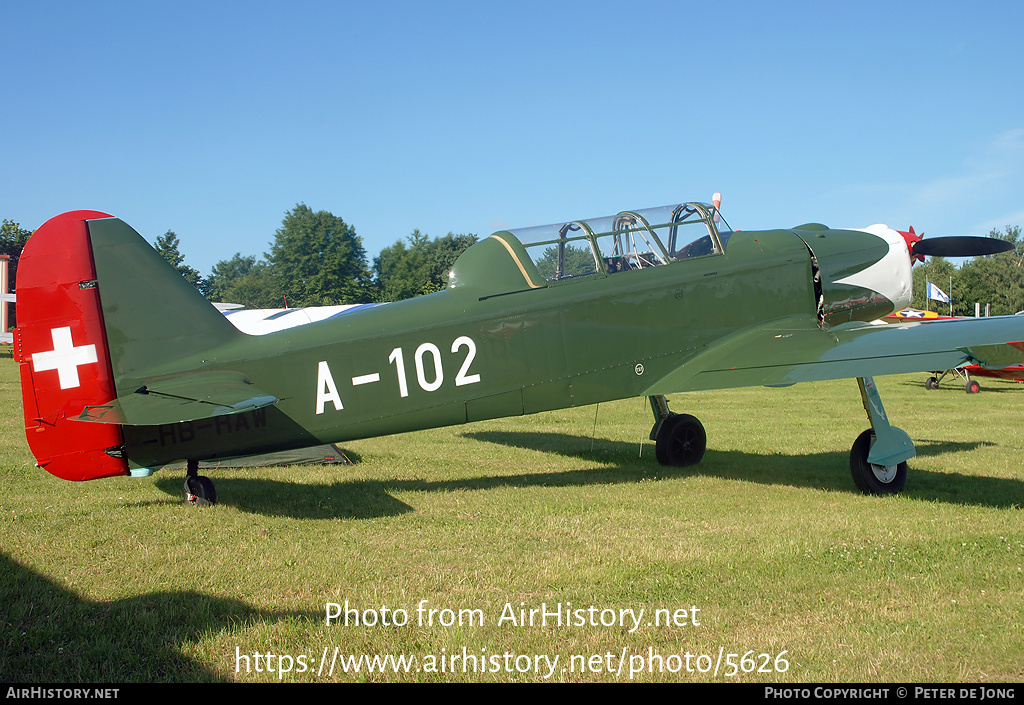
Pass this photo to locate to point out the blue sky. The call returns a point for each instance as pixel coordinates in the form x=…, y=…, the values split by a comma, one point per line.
x=215, y=118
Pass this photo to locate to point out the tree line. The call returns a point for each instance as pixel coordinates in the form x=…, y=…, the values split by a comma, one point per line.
x=316, y=259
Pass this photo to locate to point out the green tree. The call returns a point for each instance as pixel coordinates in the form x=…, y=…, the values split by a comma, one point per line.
x=243, y=280
x=12, y=240
x=257, y=288
x=401, y=271
x=421, y=267
x=318, y=260
x=167, y=246
x=443, y=252
x=575, y=261
x=226, y=273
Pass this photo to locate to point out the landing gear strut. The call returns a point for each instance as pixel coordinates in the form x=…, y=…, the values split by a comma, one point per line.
x=199, y=490
x=680, y=439
x=878, y=457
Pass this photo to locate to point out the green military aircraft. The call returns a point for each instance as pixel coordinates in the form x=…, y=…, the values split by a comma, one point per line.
x=125, y=367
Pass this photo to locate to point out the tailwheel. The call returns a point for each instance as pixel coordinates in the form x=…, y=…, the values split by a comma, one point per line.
x=871, y=478
x=199, y=490
x=681, y=441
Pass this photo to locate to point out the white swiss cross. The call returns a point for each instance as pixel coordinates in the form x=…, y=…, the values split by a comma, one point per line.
x=65, y=358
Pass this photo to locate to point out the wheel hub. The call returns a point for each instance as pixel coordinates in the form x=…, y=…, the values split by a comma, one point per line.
x=884, y=473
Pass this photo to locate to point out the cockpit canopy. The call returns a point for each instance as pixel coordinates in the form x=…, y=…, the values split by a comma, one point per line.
x=626, y=241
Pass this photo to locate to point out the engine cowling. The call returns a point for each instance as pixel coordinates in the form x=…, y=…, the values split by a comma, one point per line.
x=865, y=274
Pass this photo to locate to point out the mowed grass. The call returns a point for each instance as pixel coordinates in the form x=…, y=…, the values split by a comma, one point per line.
x=119, y=580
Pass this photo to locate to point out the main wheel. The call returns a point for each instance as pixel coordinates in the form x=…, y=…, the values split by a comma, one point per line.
x=199, y=490
x=973, y=387
x=871, y=478
x=931, y=383
x=681, y=441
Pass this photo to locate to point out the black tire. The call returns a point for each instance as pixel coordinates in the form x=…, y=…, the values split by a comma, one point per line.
x=973, y=387
x=874, y=479
x=681, y=441
x=199, y=490
x=931, y=383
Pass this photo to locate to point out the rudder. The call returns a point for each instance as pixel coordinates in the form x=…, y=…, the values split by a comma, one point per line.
x=60, y=345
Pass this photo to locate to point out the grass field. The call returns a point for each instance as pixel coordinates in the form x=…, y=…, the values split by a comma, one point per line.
x=767, y=545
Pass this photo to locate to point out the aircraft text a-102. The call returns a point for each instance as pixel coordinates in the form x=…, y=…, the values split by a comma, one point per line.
x=125, y=367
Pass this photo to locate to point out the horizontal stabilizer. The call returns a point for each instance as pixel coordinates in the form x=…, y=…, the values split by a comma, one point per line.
x=189, y=397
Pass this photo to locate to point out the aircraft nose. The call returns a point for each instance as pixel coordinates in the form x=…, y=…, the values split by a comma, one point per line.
x=891, y=275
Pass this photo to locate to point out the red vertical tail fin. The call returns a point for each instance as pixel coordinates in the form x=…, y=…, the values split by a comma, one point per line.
x=61, y=346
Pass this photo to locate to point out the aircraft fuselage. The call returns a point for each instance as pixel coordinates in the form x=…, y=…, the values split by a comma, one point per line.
x=478, y=351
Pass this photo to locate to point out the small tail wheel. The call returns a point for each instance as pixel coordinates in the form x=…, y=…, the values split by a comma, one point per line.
x=199, y=490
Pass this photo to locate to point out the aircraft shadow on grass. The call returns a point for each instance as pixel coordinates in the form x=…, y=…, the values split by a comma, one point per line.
x=828, y=471
x=611, y=462
x=51, y=635
x=354, y=499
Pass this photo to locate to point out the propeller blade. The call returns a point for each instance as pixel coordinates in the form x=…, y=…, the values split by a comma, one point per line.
x=960, y=246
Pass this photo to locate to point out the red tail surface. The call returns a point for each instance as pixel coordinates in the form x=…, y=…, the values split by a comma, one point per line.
x=60, y=343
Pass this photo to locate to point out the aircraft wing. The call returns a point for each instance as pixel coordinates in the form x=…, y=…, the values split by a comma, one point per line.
x=796, y=349
x=188, y=397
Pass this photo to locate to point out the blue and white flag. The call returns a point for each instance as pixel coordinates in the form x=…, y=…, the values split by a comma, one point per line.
x=936, y=293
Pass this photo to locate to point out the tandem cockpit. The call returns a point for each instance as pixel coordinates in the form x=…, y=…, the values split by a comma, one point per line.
x=627, y=241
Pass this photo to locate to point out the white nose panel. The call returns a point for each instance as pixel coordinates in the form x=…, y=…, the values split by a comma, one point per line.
x=891, y=275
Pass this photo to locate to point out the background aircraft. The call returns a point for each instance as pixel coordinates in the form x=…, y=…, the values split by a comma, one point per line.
x=964, y=372
x=913, y=314
x=967, y=372
x=641, y=303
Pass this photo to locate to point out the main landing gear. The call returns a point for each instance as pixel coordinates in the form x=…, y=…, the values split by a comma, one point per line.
x=878, y=459
x=680, y=440
x=199, y=490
